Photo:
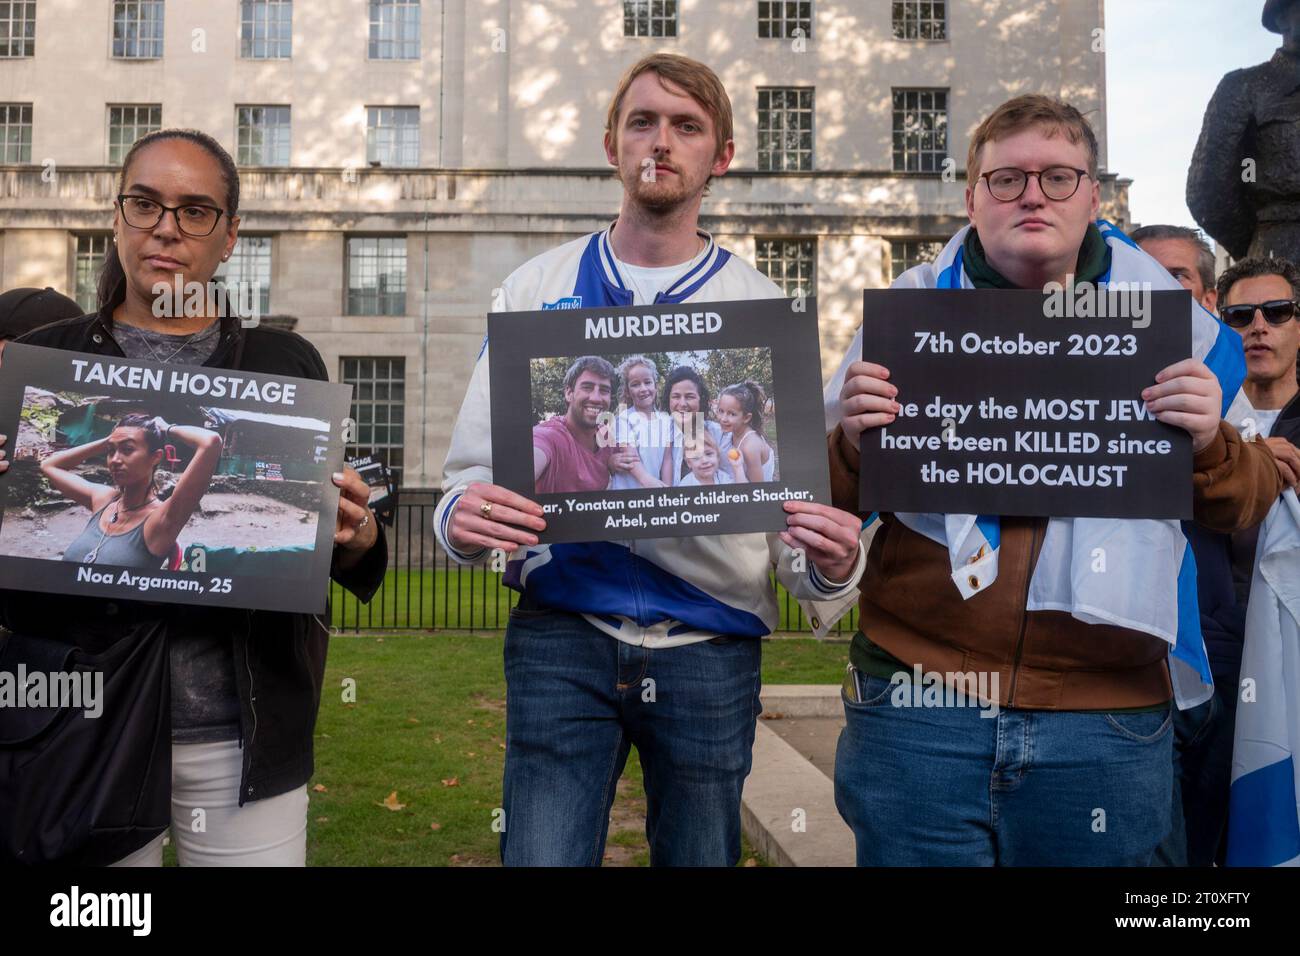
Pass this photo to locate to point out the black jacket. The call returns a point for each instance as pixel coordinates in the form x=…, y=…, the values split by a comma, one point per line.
x=279, y=657
x=1224, y=566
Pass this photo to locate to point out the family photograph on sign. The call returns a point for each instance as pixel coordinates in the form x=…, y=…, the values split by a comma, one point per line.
x=659, y=421
x=667, y=419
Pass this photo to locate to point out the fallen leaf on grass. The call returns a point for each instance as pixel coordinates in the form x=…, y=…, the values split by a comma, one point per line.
x=411, y=720
x=320, y=788
x=452, y=782
x=322, y=819
x=751, y=862
x=391, y=803
x=435, y=826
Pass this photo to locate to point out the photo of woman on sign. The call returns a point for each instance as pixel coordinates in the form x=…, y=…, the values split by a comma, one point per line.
x=130, y=526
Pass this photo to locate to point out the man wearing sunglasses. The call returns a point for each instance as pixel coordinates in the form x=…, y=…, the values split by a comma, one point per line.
x=1257, y=298
x=1075, y=765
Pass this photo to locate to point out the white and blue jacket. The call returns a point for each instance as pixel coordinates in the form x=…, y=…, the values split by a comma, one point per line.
x=658, y=592
x=1150, y=584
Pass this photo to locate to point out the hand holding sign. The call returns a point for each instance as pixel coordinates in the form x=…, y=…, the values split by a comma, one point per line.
x=1188, y=396
x=355, y=527
x=489, y=516
x=827, y=535
x=867, y=399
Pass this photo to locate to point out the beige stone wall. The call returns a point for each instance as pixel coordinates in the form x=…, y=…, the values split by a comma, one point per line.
x=512, y=97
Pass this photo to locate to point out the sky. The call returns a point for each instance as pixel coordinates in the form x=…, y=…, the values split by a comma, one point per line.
x=1164, y=59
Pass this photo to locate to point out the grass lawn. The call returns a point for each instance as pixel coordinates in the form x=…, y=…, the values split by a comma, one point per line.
x=428, y=723
x=472, y=599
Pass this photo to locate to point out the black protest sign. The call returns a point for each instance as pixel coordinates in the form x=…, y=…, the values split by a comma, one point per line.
x=1013, y=404
x=179, y=484
x=662, y=420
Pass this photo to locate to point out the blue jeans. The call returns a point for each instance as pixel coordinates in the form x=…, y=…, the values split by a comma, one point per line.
x=944, y=786
x=577, y=700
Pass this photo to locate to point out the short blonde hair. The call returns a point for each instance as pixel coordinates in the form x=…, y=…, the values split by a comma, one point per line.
x=1052, y=115
x=698, y=82
x=696, y=443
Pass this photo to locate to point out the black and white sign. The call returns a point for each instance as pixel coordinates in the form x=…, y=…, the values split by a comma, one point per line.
x=1012, y=405
x=659, y=421
x=375, y=473
x=178, y=484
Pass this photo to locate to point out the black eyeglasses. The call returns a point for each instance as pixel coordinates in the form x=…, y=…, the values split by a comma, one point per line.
x=1009, y=183
x=194, y=219
x=1276, y=312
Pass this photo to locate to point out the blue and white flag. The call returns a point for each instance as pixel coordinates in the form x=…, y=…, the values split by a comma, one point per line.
x=1264, y=808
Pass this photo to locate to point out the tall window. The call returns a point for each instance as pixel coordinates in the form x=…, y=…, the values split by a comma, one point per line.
x=785, y=128
x=126, y=124
x=920, y=130
x=781, y=19
x=393, y=135
x=266, y=29
x=138, y=29
x=378, y=407
x=920, y=20
x=790, y=263
x=906, y=253
x=91, y=250
x=394, y=29
x=15, y=132
x=377, y=275
x=263, y=135
x=249, y=268
x=18, y=29
x=649, y=18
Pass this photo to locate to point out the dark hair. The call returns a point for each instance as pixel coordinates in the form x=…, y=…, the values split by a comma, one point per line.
x=112, y=278
x=152, y=436
x=684, y=373
x=752, y=398
x=22, y=310
x=1204, y=254
x=153, y=439
x=1258, y=266
x=589, y=363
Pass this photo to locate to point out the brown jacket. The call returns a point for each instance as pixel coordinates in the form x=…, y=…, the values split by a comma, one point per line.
x=1046, y=660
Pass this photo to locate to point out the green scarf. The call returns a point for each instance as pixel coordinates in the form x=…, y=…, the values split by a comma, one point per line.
x=1094, y=261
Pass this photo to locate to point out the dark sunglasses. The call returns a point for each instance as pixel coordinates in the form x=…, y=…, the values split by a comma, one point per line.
x=1277, y=312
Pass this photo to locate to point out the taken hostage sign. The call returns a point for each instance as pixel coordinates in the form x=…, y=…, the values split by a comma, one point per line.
x=1011, y=405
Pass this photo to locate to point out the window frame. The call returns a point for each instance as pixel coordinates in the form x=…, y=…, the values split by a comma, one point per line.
x=783, y=281
x=351, y=296
x=764, y=160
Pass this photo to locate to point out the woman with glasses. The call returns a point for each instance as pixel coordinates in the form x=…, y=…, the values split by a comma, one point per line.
x=245, y=685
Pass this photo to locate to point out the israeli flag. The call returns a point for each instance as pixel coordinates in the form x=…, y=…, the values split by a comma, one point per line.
x=1264, y=808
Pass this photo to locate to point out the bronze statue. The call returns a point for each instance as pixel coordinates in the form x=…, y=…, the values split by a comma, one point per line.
x=1244, y=183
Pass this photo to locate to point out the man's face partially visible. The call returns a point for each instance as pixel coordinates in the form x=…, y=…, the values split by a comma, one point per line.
x=589, y=396
x=1270, y=349
x=1033, y=234
x=664, y=145
x=1178, y=256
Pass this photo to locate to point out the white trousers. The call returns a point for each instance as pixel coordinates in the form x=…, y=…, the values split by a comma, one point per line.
x=210, y=828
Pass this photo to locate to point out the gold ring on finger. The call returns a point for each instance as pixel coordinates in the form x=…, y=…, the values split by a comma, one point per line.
x=485, y=509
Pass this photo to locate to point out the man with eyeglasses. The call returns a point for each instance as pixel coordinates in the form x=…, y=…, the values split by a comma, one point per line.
x=1069, y=762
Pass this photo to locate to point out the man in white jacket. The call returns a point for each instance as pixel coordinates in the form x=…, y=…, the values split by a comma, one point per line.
x=650, y=642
